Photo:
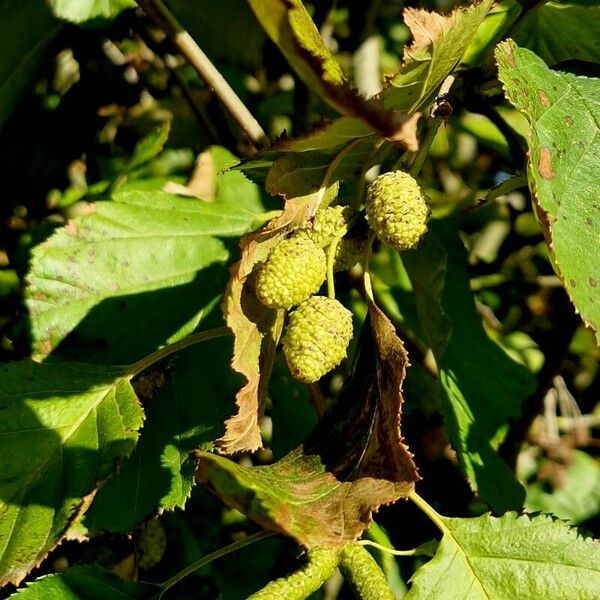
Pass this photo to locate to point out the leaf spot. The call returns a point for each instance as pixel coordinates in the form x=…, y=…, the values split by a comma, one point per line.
x=543, y=99
x=572, y=282
x=545, y=164
x=593, y=282
x=569, y=120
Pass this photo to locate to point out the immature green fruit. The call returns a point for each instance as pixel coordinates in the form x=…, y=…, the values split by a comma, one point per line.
x=397, y=210
x=316, y=338
x=348, y=252
x=152, y=544
x=294, y=271
x=328, y=223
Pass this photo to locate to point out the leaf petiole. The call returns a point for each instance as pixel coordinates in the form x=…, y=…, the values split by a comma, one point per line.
x=205, y=560
x=429, y=511
x=426, y=549
x=190, y=340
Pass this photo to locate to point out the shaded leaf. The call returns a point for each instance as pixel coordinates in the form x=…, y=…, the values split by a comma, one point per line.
x=64, y=427
x=207, y=21
x=575, y=495
x=323, y=494
x=345, y=142
x=564, y=153
x=186, y=413
x=509, y=557
x=83, y=10
x=561, y=31
x=25, y=30
x=146, y=257
x=439, y=42
x=483, y=387
x=149, y=146
x=289, y=25
x=85, y=583
x=493, y=28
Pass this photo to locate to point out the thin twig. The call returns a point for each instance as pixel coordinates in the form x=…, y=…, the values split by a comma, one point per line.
x=184, y=42
x=190, y=340
x=205, y=560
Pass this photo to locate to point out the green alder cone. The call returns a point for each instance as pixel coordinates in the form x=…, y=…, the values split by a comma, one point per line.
x=316, y=338
x=302, y=583
x=348, y=252
x=328, y=223
x=294, y=271
x=364, y=574
x=397, y=210
x=152, y=544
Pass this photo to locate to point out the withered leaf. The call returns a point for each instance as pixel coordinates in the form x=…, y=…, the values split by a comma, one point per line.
x=324, y=492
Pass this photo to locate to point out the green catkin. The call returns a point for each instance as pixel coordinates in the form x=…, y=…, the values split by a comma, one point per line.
x=316, y=338
x=152, y=544
x=364, y=574
x=303, y=582
x=294, y=270
x=397, y=210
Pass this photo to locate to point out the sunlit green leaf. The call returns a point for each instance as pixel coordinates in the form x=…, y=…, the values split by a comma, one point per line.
x=564, y=153
x=64, y=427
x=510, y=557
x=83, y=10
x=143, y=258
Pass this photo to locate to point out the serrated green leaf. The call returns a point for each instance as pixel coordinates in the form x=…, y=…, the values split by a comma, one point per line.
x=64, y=427
x=510, y=557
x=186, y=413
x=483, y=387
x=149, y=146
x=83, y=10
x=146, y=257
x=561, y=31
x=26, y=29
x=564, y=153
x=85, y=583
x=438, y=46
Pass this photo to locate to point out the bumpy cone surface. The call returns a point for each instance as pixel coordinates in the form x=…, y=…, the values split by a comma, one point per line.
x=397, y=210
x=348, y=252
x=316, y=338
x=329, y=222
x=294, y=271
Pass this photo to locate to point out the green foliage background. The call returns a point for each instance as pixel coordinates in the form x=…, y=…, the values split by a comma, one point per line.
x=123, y=204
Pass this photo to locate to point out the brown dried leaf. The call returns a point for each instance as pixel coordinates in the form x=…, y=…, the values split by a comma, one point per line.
x=324, y=493
x=439, y=43
x=256, y=329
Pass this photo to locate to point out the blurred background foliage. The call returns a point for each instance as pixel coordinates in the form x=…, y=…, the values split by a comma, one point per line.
x=80, y=101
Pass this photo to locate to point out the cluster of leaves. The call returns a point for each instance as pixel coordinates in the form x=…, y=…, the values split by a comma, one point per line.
x=144, y=264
